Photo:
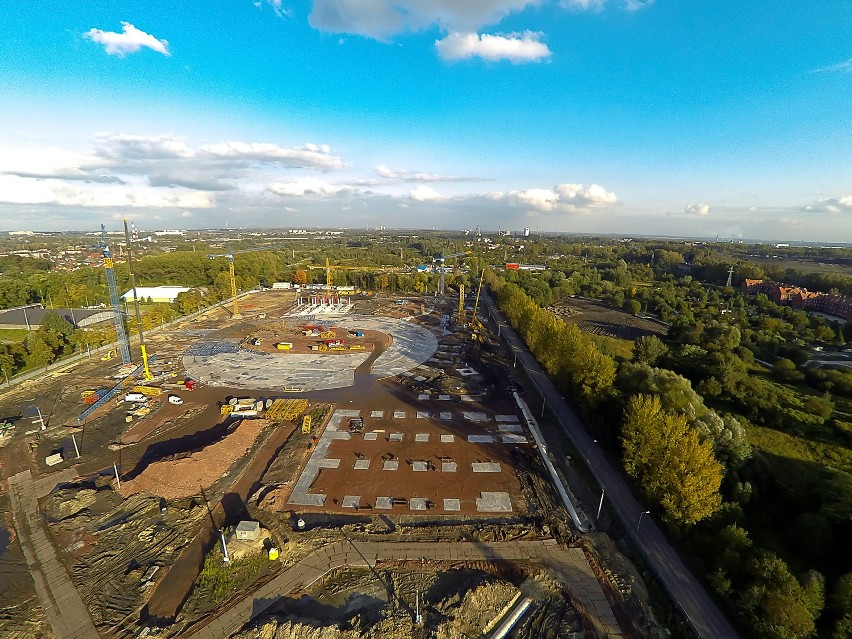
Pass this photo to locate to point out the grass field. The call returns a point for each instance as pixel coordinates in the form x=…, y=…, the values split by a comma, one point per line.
x=793, y=447
x=12, y=335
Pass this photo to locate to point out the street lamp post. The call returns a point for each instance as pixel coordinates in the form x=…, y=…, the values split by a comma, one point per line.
x=642, y=514
x=600, y=505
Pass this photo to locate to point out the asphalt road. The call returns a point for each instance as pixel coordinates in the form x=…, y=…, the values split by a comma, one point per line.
x=700, y=610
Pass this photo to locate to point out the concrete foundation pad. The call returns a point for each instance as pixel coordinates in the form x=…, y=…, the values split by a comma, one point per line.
x=444, y=398
x=510, y=428
x=352, y=501
x=423, y=396
x=421, y=437
x=452, y=504
x=448, y=439
x=467, y=398
x=307, y=499
x=419, y=466
x=422, y=414
x=507, y=418
x=361, y=464
x=391, y=464
x=485, y=467
x=328, y=463
x=395, y=437
x=480, y=439
x=384, y=503
x=399, y=414
x=377, y=414
x=418, y=503
x=370, y=437
x=446, y=416
x=449, y=467
x=514, y=439
x=472, y=416
x=494, y=503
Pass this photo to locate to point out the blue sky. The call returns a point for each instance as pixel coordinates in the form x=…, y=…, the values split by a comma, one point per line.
x=619, y=116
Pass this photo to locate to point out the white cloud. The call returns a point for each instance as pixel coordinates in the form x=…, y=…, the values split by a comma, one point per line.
x=584, y=5
x=424, y=194
x=697, y=209
x=381, y=19
x=310, y=186
x=637, y=5
x=18, y=190
x=517, y=48
x=837, y=204
x=562, y=197
x=840, y=67
x=130, y=40
x=404, y=175
x=186, y=214
x=314, y=156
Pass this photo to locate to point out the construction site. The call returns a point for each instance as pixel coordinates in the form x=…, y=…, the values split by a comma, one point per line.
x=299, y=466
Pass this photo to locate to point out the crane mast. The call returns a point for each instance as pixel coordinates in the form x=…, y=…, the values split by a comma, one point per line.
x=109, y=267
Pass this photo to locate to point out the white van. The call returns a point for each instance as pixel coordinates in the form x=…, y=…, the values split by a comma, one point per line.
x=174, y=399
x=134, y=397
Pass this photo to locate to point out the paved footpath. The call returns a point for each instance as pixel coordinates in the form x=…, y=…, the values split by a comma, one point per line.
x=61, y=601
x=569, y=563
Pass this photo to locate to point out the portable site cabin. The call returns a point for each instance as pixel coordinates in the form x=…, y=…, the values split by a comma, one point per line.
x=248, y=531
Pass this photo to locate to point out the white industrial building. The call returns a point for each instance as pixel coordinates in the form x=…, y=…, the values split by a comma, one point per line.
x=156, y=293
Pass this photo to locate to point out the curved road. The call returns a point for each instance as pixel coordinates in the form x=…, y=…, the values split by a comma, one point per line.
x=699, y=609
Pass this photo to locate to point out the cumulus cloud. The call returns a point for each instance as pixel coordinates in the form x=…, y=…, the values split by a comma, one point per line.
x=517, y=48
x=840, y=67
x=562, y=197
x=381, y=19
x=837, y=204
x=697, y=209
x=130, y=40
x=424, y=194
x=404, y=175
x=310, y=186
x=17, y=190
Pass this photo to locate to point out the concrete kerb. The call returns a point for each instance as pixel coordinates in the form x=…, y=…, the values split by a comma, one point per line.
x=634, y=538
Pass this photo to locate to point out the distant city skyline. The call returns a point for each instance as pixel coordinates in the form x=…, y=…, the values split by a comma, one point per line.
x=577, y=116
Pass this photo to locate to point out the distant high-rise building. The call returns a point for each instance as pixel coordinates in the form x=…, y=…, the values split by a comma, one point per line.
x=527, y=231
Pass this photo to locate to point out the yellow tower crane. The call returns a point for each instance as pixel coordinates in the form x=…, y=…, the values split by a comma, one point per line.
x=329, y=269
x=462, y=318
x=230, y=256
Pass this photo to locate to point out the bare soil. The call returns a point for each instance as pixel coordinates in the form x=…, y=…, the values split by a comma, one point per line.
x=600, y=319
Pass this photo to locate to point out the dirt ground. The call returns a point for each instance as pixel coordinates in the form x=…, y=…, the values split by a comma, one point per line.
x=112, y=544
x=600, y=319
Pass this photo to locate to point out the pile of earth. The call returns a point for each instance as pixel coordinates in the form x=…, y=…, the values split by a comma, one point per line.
x=181, y=475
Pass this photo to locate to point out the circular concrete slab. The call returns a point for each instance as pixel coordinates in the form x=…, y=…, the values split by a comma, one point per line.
x=221, y=362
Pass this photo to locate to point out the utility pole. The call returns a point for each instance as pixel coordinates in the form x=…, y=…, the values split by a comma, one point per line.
x=117, y=478
x=76, y=449
x=600, y=505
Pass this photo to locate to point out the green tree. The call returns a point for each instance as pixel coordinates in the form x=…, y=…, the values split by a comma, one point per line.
x=841, y=603
x=648, y=349
x=634, y=307
x=669, y=461
x=773, y=603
